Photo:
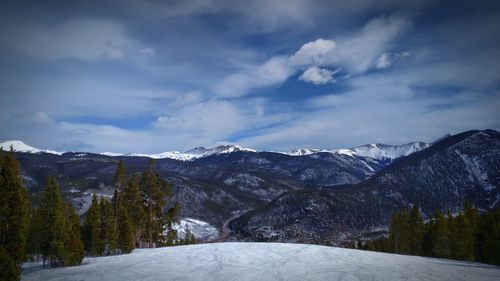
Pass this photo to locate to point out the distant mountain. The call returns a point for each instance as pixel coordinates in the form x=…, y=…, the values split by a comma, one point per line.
x=462, y=167
x=376, y=151
x=324, y=195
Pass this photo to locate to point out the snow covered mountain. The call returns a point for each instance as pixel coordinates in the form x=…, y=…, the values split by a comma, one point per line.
x=20, y=146
x=195, y=153
x=376, y=151
x=303, y=151
x=322, y=196
x=262, y=261
x=462, y=167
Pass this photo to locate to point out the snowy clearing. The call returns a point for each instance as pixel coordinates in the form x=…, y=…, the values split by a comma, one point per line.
x=203, y=231
x=262, y=261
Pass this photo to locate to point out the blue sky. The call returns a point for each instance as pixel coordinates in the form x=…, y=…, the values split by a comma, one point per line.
x=151, y=76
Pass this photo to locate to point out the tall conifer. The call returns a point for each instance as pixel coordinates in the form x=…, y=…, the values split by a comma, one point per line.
x=91, y=229
x=14, y=208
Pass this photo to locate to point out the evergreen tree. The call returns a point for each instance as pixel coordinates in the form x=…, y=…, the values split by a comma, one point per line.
x=126, y=237
x=9, y=271
x=14, y=208
x=171, y=216
x=416, y=231
x=120, y=178
x=154, y=190
x=115, y=200
x=473, y=216
x=53, y=221
x=172, y=238
x=74, y=245
x=463, y=237
x=453, y=230
x=490, y=242
x=35, y=231
x=189, y=237
x=91, y=229
x=395, y=233
x=440, y=239
x=399, y=233
x=405, y=242
x=132, y=201
x=108, y=236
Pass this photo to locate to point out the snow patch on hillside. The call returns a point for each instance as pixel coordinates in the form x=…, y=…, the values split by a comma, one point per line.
x=262, y=261
x=476, y=171
x=203, y=231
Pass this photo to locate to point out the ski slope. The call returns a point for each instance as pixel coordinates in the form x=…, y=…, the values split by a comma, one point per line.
x=262, y=261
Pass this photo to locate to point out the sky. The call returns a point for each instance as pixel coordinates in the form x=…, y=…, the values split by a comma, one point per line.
x=151, y=76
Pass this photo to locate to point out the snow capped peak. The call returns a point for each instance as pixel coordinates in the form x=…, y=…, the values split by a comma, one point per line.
x=229, y=149
x=377, y=151
x=303, y=151
x=192, y=154
x=20, y=146
x=384, y=151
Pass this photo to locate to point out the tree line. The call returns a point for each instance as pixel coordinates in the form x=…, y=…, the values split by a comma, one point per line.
x=135, y=216
x=468, y=235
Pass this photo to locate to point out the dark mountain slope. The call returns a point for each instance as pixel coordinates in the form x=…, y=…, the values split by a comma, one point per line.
x=458, y=168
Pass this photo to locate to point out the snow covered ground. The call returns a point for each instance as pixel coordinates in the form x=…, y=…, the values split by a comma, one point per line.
x=262, y=261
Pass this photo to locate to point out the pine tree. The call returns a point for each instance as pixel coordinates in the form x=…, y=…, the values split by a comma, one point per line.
x=14, y=209
x=126, y=237
x=35, y=230
x=440, y=245
x=120, y=178
x=132, y=201
x=405, y=242
x=154, y=190
x=172, y=238
x=171, y=216
x=416, y=231
x=473, y=216
x=399, y=233
x=115, y=201
x=108, y=236
x=490, y=242
x=55, y=234
x=74, y=245
x=91, y=229
x=395, y=233
x=190, y=238
x=453, y=230
x=9, y=271
x=463, y=237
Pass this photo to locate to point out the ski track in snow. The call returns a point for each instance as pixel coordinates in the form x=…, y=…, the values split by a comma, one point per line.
x=262, y=261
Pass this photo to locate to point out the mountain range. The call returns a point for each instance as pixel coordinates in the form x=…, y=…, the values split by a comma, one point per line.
x=306, y=195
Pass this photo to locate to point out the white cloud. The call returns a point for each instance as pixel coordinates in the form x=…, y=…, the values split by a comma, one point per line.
x=317, y=76
x=271, y=72
x=387, y=59
x=355, y=54
x=84, y=39
x=317, y=53
x=383, y=61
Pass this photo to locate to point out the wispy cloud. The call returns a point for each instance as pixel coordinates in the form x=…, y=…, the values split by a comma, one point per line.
x=149, y=76
x=356, y=54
